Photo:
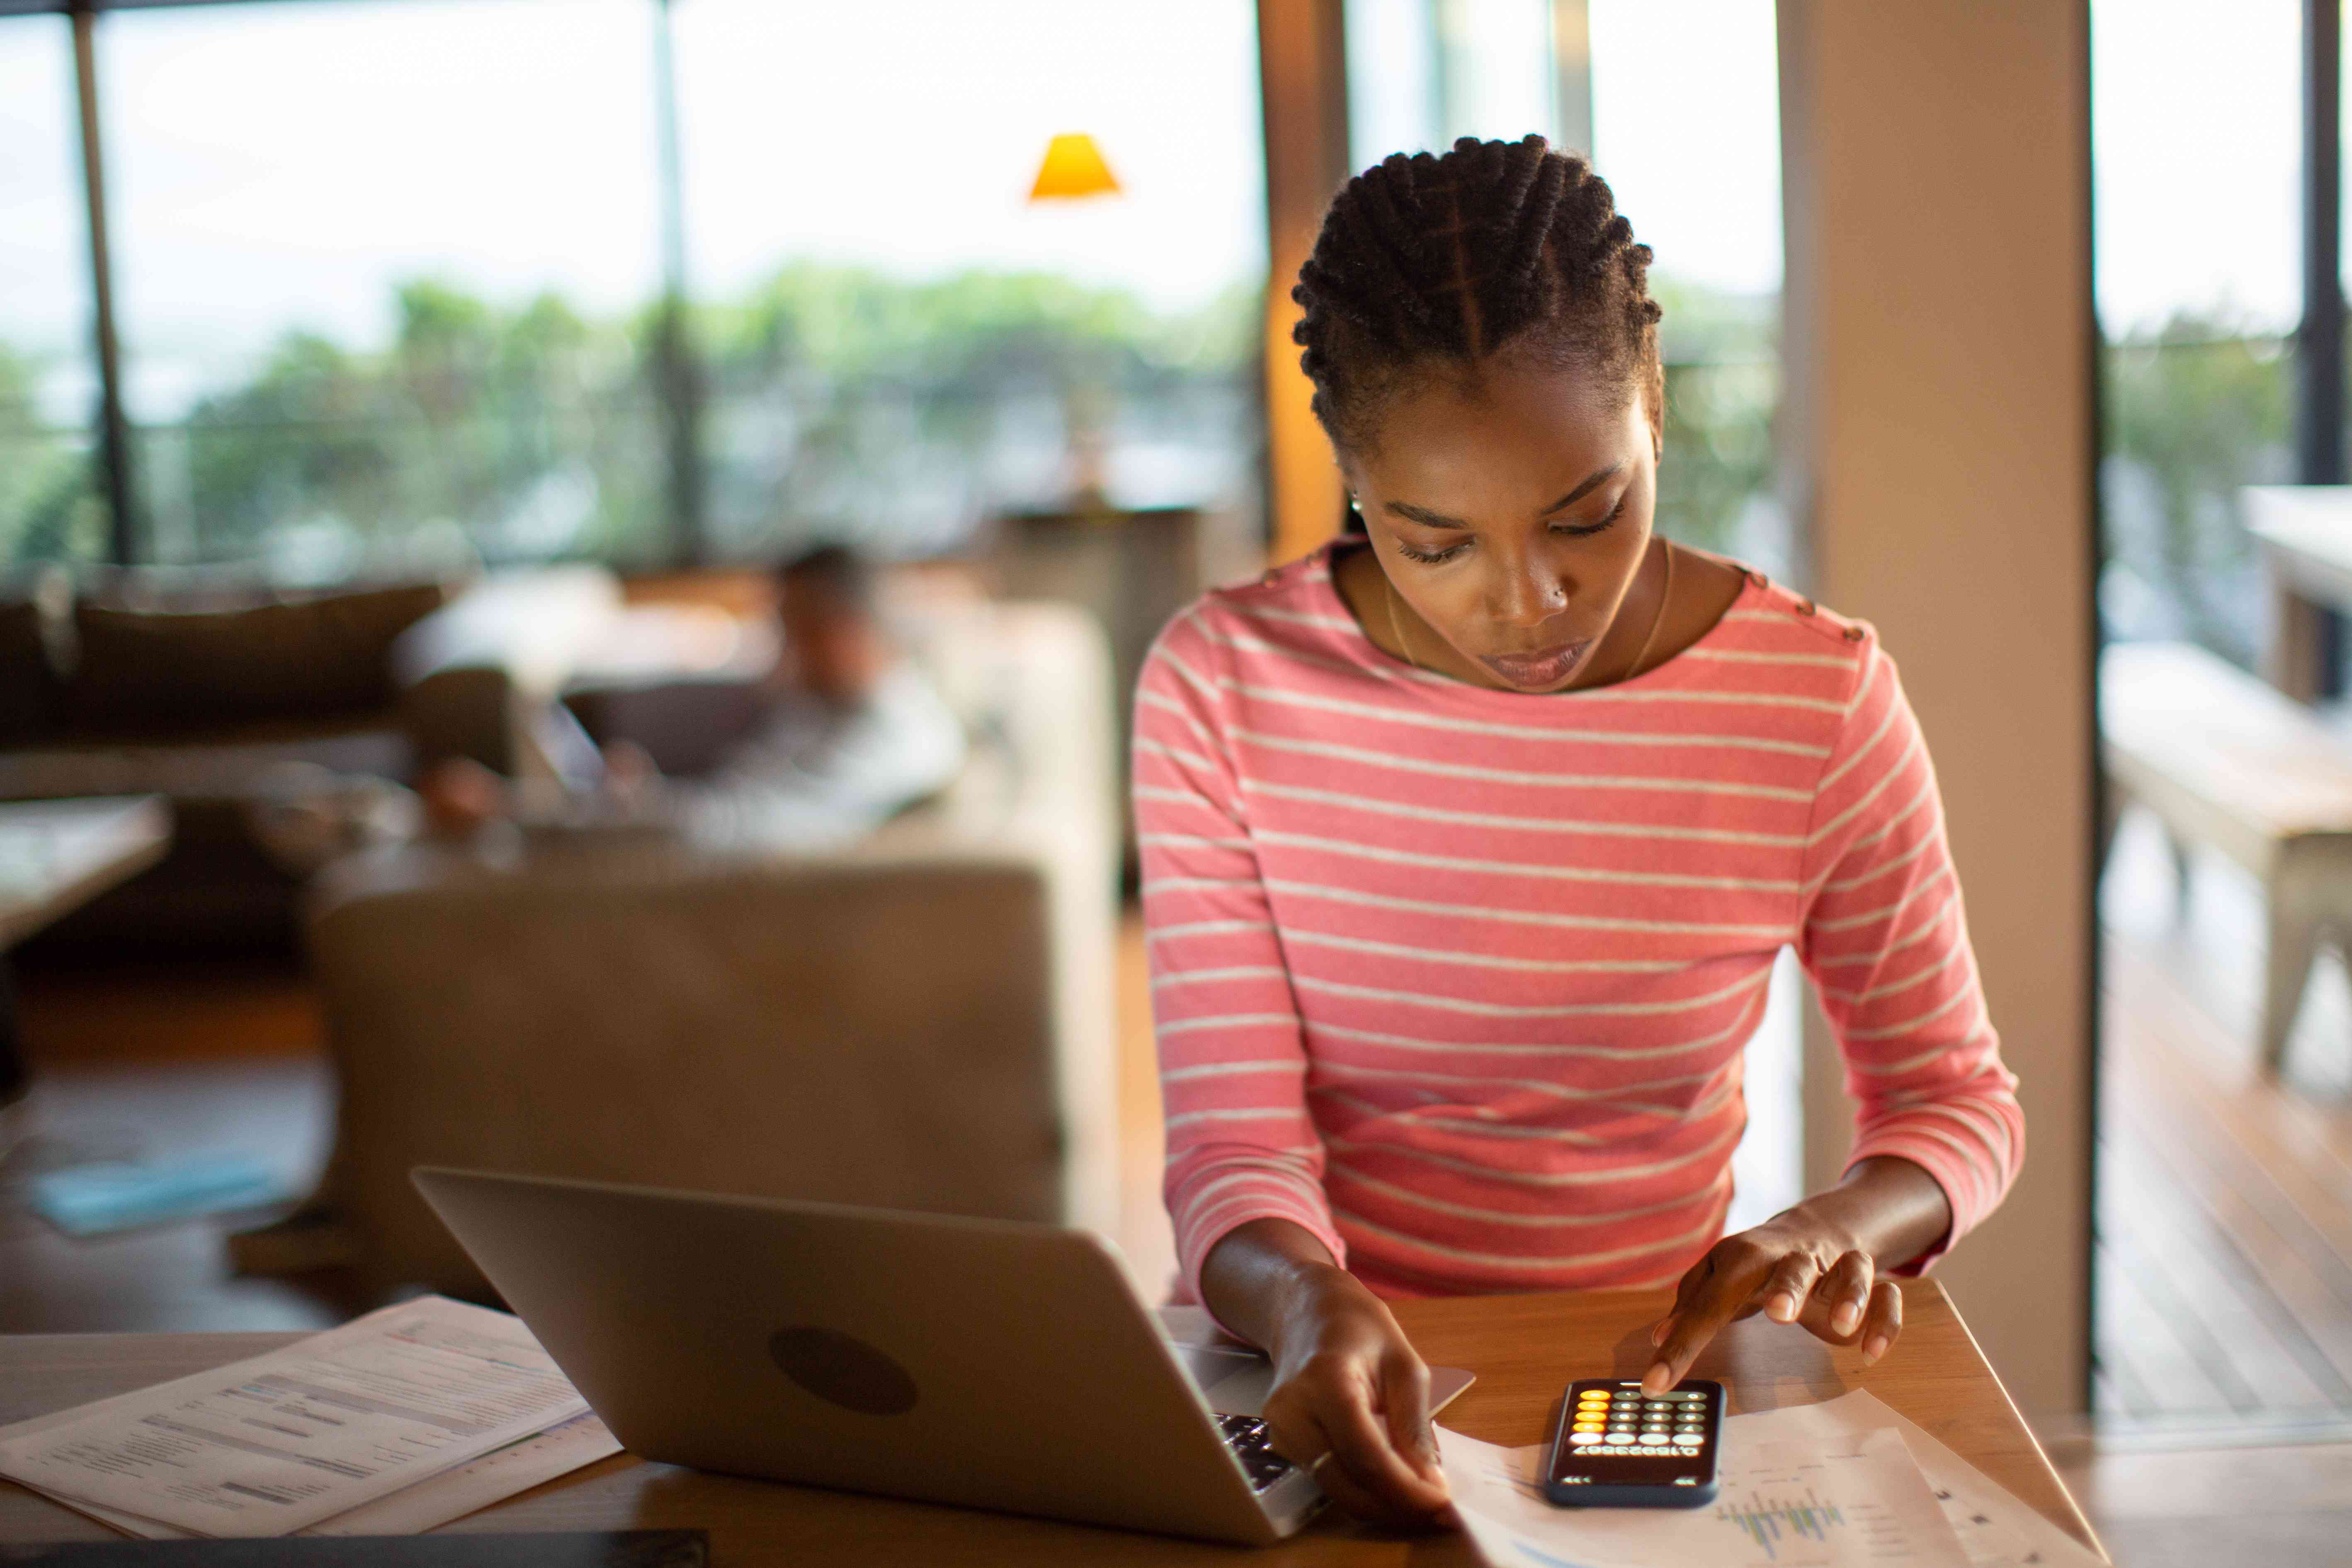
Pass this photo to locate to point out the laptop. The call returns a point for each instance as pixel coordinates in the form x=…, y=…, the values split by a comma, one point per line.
x=985, y=1363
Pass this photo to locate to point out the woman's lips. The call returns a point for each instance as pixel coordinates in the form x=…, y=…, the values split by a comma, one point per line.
x=1545, y=668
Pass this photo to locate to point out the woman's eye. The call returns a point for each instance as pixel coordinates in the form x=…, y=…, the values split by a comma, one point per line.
x=1431, y=558
x=1579, y=531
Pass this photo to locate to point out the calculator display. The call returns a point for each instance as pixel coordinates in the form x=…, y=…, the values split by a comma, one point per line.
x=1612, y=1434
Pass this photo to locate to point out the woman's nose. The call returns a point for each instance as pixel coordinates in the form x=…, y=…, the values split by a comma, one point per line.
x=1529, y=595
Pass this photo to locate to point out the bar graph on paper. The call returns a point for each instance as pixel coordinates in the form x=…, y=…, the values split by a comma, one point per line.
x=1783, y=1504
x=1812, y=1511
x=1770, y=1521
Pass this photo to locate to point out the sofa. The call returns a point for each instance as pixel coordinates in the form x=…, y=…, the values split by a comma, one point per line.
x=207, y=689
x=196, y=688
x=923, y=1021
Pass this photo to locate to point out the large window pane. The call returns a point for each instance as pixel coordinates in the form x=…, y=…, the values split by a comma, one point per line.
x=901, y=345
x=1687, y=128
x=2196, y=127
x=385, y=271
x=48, y=505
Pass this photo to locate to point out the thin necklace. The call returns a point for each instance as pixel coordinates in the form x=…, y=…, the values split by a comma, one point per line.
x=1665, y=592
x=1396, y=627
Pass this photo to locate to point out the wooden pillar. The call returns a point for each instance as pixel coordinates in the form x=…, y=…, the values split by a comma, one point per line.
x=1303, y=76
x=1941, y=440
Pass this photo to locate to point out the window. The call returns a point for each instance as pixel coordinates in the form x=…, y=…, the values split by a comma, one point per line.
x=49, y=505
x=384, y=272
x=1686, y=129
x=899, y=344
x=2196, y=144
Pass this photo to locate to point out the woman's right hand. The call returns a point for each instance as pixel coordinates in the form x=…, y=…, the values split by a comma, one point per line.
x=1351, y=1399
x=1348, y=1385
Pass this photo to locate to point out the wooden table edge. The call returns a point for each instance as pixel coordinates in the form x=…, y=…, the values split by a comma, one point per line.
x=89, y=1352
x=2078, y=1522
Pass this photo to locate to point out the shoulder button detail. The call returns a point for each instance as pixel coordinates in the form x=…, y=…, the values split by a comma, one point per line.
x=1806, y=607
x=1854, y=634
x=1755, y=579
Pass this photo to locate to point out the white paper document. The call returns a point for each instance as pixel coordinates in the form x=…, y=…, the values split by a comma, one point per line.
x=1780, y=1505
x=311, y=1432
x=1995, y=1529
x=494, y=1478
x=431, y=1503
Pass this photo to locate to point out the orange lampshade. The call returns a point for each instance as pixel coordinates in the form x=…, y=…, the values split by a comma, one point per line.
x=1073, y=168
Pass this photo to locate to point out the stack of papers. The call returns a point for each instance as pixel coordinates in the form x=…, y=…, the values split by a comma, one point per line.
x=1846, y=1484
x=394, y=1423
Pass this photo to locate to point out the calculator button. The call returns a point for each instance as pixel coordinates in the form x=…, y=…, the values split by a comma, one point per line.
x=1582, y=1439
x=1619, y=1439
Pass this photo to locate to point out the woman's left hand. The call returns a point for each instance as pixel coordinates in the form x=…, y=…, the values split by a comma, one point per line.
x=1795, y=1268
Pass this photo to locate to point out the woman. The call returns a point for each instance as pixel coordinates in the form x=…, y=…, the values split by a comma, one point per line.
x=1469, y=841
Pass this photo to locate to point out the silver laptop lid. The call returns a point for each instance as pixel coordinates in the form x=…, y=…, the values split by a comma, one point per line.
x=985, y=1363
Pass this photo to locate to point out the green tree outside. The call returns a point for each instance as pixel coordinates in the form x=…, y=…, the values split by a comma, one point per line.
x=839, y=400
x=2191, y=414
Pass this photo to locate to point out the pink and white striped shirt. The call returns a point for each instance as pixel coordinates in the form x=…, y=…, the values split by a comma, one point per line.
x=1459, y=979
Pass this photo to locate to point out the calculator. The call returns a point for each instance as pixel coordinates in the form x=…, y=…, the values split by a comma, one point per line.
x=1616, y=1446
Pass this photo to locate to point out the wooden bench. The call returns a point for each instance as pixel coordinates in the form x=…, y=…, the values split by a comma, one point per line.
x=2226, y=761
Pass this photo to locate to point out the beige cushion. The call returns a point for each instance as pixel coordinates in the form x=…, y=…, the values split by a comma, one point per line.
x=859, y=1033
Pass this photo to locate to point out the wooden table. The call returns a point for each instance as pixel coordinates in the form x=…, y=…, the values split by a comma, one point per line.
x=55, y=857
x=1525, y=1349
x=2304, y=533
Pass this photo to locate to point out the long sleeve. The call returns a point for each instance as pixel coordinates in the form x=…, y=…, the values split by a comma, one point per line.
x=1885, y=942
x=1233, y=1061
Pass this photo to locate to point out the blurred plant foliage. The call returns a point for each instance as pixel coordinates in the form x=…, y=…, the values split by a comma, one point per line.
x=47, y=509
x=1723, y=387
x=838, y=400
x=850, y=403
x=2192, y=413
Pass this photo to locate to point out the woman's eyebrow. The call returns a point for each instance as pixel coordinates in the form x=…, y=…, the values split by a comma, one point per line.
x=1592, y=482
x=1428, y=518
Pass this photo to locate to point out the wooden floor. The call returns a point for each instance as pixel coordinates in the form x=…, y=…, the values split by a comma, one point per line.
x=2225, y=1220
x=163, y=1064
x=2224, y=1269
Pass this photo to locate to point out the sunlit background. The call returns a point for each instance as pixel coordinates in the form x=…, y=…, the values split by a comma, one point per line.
x=391, y=275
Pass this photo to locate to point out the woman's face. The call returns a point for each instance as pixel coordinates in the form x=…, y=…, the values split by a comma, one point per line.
x=1510, y=514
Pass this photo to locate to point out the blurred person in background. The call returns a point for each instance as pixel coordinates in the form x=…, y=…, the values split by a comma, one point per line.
x=851, y=733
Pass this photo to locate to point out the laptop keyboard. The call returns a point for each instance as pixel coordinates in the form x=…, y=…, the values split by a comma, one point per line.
x=1246, y=1435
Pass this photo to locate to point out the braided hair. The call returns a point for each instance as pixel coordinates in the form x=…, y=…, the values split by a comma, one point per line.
x=1494, y=246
